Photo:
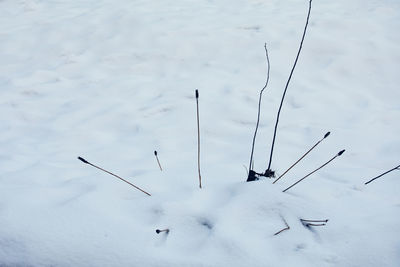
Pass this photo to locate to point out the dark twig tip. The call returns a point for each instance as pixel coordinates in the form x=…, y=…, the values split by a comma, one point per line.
x=327, y=134
x=197, y=93
x=83, y=160
x=155, y=152
x=341, y=152
x=158, y=231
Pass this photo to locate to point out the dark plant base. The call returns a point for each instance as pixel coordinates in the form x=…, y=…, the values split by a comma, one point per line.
x=254, y=176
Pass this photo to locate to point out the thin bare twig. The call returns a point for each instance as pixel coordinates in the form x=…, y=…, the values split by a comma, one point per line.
x=313, y=224
x=259, y=108
x=302, y=157
x=161, y=231
x=122, y=179
x=287, y=85
x=313, y=221
x=158, y=161
x=308, y=223
x=284, y=229
x=326, y=163
x=395, y=168
x=198, y=136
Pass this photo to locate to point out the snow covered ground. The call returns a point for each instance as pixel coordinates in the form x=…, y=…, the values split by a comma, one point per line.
x=112, y=81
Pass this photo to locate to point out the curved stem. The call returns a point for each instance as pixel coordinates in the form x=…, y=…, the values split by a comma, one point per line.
x=259, y=108
x=287, y=84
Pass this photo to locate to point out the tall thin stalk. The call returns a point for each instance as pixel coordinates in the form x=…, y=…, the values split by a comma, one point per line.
x=259, y=108
x=198, y=136
x=287, y=85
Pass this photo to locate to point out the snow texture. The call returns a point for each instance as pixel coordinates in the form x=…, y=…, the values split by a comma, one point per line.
x=112, y=81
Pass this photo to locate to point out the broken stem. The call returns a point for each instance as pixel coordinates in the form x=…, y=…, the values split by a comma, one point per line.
x=284, y=229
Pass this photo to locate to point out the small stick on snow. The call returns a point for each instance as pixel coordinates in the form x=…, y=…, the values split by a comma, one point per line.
x=302, y=157
x=122, y=179
x=308, y=223
x=158, y=231
x=323, y=165
x=314, y=221
x=395, y=168
x=313, y=224
x=284, y=229
x=158, y=161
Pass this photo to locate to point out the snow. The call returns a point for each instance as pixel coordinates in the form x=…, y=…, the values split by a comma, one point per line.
x=112, y=81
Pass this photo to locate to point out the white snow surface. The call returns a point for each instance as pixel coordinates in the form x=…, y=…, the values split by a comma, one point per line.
x=112, y=81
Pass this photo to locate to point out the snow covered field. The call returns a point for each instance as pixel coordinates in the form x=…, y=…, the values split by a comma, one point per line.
x=112, y=81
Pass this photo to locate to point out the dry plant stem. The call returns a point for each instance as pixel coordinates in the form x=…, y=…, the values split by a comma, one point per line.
x=198, y=136
x=259, y=108
x=313, y=224
x=122, y=179
x=159, y=165
x=164, y=230
x=395, y=168
x=158, y=161
x=326, y=135
x=326, y=163
x=287, y=85
x=317, y=221
x=284, y=229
